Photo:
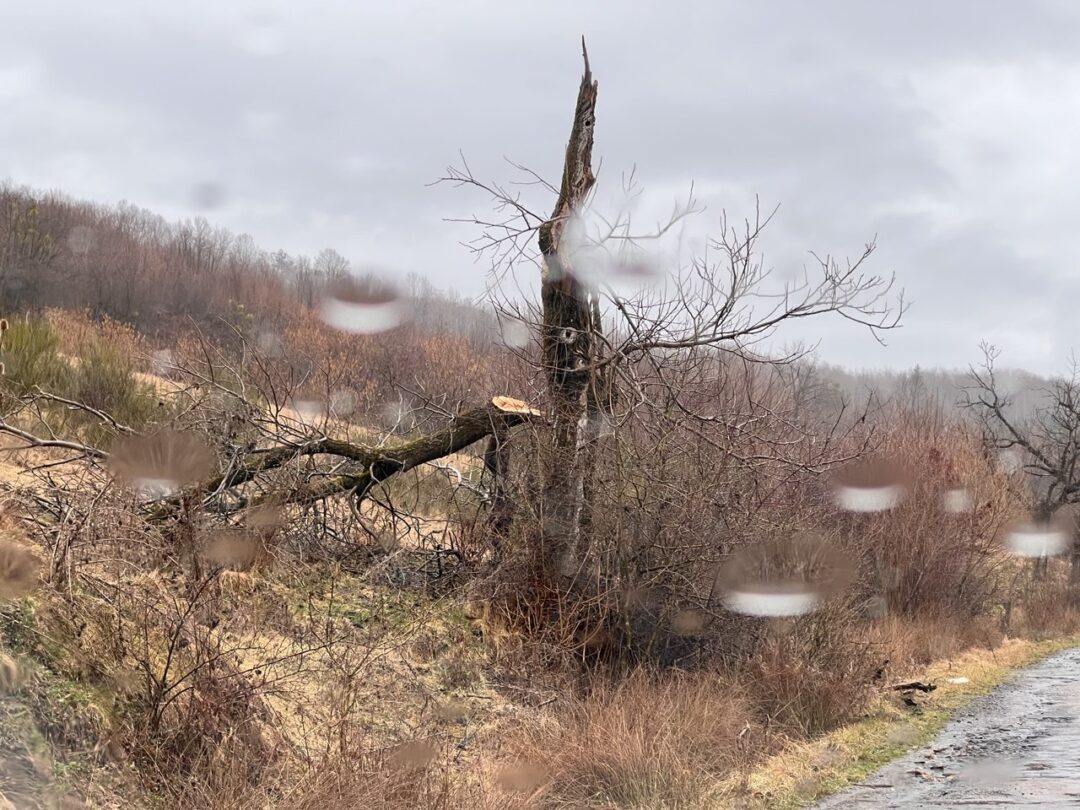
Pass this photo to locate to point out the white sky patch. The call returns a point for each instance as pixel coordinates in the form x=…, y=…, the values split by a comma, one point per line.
x=324, y=123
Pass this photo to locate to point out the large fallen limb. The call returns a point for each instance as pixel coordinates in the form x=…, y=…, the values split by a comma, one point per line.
x=373, y=463
x=376, y=464
x=370, y=463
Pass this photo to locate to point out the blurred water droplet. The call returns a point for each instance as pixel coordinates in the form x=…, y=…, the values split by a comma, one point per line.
x=994, y=772
x=957, y=501
x=10, y=675
x=153, y=489
x=452, y=711
x=601, y=262
x=784, y=577
x=80, y=239
x=413, y=755
x=160, y=465
x=163, y=364
x=594, y=426
x=1010, y=461
x=877, y=607
x=522, y=777
x=342, y=403
x=388, y=541
x=903, y=736
x=270, y=344
x=232, y=548
x=364, y=306
x=398, y=415
x=1037, y=539
x=830, y=757
x=873, y=486
x=311, y=410
x=797, y=601
x=688, y=622
x=207, y=196
x=958, y=680
x=264, y=518
x=640, y=597
x=262, y=36
x=515, y=333
x=19, y=571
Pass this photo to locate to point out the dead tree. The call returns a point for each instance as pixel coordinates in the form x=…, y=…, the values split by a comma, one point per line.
x=1047, y=439
x=599, y=345
x=569, y=341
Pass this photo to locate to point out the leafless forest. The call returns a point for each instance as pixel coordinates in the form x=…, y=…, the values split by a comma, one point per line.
x=278, y=532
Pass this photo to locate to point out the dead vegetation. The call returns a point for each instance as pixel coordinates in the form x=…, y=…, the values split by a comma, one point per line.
x=606, y=568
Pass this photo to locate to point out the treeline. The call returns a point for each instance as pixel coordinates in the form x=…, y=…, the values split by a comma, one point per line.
x=923, y=390
x=131, y=265
x=134, y=266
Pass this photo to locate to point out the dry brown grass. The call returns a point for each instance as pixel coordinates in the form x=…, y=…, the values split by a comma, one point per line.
x=295, y=687
x=643, y=741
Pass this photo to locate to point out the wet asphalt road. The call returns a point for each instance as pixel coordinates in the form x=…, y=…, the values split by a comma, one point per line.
x=1018, y=746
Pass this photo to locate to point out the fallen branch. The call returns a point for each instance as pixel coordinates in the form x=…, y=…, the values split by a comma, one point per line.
x=912, y=686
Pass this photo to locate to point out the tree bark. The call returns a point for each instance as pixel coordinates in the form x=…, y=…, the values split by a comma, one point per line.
x=373, y=464
x=569, y=342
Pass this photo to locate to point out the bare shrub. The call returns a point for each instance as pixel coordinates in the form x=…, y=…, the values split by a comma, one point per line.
x=794, y=675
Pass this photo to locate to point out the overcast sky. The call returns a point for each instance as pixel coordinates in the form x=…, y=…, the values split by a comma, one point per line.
x=951, y=130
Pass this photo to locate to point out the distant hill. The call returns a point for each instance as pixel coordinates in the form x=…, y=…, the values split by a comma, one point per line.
x=132, y=265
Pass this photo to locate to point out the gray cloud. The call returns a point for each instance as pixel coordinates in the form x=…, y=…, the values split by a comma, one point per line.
x=943, y=128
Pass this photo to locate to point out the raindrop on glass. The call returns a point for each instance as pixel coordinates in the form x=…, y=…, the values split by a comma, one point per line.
x=784, y=577
x=994, y=772
x=364, y=306
x=522, y=777
x=595, y=426
x=1010, y=461
x=262, y=36
x=795, y=599
x=10, y=676
x=80, y=239
x=412, y=756
x=957, y=501
x=1037, y=539
x=18, y=571
x=163, y=364
x=310, y=410
x=876, y=607
x=515, y=333
x=688, y=622
x=265, y=518
x=270, y=344
x=342, y=403
x=207, y=196
x=452, y=711
x=160, y=465
x=869, y=487
x=597, y=261
x=232, y=548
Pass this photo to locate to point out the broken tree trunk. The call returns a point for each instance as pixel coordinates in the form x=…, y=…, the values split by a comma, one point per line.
x=372, y=464
x=569, y=343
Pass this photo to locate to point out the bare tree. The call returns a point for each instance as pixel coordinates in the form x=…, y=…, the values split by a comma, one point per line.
x=1047, y=439
x=652, y=343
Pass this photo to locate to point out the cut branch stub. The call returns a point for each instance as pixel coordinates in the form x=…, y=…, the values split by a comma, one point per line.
x=517, y=406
